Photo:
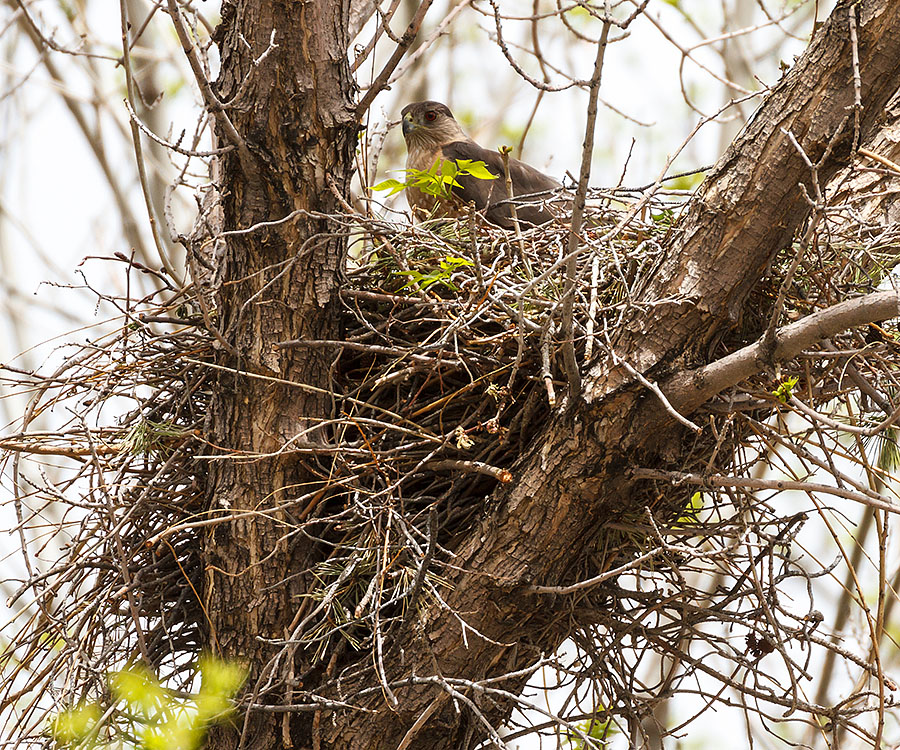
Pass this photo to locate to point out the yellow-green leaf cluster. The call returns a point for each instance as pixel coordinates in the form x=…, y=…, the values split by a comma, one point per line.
x=440, y=179
x=147, y=715
x=785, y=390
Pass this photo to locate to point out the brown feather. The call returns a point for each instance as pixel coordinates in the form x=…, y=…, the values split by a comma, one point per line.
x=529, y=186
x=432, y=134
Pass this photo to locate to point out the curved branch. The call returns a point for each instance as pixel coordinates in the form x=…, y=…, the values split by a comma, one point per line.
x=688, y=389
x=209, y=97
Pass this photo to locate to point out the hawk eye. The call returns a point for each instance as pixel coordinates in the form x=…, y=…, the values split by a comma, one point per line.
x=431, y=116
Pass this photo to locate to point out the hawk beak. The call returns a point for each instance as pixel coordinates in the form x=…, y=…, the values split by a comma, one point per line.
x=408, y=124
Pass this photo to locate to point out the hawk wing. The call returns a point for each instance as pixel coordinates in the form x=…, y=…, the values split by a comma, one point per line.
x=529, y=185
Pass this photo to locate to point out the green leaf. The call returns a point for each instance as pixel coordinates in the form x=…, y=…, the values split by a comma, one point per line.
x=449, y=182
x=395, y=186
x=599, y=729
x=155, y=718
x=477, y=169
x=219, y=684
x=182, y=732
x=888, y=452
x=439, y=179
x=146, y=437
x=453, y=262
x=220, y=677
x=440, y=275
x=139, y=688
x=785, y=390
x=686, y=181
x=693, y=507
x=75, y=724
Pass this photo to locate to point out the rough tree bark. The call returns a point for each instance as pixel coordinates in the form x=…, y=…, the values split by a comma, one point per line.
x=294, y=111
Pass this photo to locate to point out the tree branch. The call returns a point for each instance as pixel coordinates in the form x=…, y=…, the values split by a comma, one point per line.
x=868, y=497
x=687, y=390
x=406, y=40
x=573, y=372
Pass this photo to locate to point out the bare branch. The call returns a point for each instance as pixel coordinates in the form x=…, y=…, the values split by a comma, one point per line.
x=689, y=389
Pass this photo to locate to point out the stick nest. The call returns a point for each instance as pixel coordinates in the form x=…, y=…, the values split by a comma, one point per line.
x=450, y=365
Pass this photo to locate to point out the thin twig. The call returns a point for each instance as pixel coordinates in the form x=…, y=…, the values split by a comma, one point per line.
x=381, y=80
x=209, y=97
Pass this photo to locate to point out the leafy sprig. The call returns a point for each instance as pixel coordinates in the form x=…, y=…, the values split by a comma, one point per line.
x=148, y=716
x=440, y=179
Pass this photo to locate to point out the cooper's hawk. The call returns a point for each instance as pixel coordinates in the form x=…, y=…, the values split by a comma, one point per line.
x=432, y=134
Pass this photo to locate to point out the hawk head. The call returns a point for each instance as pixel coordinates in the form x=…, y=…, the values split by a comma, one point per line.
x=430, y=124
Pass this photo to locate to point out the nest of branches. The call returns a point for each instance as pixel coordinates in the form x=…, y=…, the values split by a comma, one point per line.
x=453, y=359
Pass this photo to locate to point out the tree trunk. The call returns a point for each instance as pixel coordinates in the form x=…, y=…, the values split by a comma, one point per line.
x=294, y=109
